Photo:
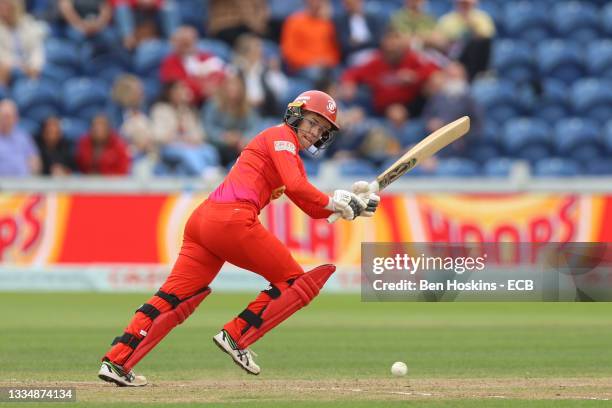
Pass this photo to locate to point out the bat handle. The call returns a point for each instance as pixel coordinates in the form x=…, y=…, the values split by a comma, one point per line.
x=374, y=188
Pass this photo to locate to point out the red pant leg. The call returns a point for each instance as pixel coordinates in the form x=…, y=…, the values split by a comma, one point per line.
x=193, y=270
x=233, y=232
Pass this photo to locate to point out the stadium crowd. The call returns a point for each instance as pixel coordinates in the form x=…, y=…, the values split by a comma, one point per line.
x=179, y=87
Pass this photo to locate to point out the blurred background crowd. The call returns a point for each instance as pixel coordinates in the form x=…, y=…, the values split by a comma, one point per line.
x=154, y=88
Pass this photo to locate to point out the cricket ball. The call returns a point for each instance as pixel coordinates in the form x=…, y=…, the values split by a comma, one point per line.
x=399, y=369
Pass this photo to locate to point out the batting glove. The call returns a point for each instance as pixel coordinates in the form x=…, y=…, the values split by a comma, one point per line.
x=347, y=204
x=362, y=190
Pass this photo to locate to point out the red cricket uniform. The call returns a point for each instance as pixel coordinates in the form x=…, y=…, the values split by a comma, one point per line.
x=225, y=228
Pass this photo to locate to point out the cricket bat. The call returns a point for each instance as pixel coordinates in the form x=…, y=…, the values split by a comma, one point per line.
x=421, y=151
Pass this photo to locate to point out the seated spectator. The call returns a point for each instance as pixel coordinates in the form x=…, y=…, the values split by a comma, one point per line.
x=135, y=126
x=201, y=71
x=358, y=32
x=229, y=120
x=265, y=83
x=18, y=154
x=101, y=151
x=450, y=99
x=308, y=40
x=88, y=20
x=378, y=145
x=397, y=119
x=228, y=19
x=55, y=151
x=415, y=25
x=140, y=20
x=21, y=42
x=395, y=74
x=468, y=33
x=177, y=129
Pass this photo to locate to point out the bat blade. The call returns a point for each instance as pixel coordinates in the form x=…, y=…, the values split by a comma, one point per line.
x=426, y=148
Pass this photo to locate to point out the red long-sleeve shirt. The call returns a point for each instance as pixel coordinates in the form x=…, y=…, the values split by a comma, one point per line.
x=173, y=69
x=383, y=78
x=267, y=167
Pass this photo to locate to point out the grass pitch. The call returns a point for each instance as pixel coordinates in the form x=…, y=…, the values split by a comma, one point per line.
x=336, y=353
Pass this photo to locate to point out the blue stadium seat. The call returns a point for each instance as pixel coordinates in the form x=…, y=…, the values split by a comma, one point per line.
x=4, y=93
x=554, y=101
x=592, y=98
x=296, y=87
x=107, y=67
x=606, y=19
x=599, y=167
x=63, y=53
x=561, y=60
x=499, y=99
x=576, y=20
x=514, y=60
x=57, y=74
x=312, y=167
x=413, y=133
x=36, y=99
x=487, y=146
x=438, y=8
x=216, y=47
x=149, y=56
x=495, y=10
x=384, y=9
x=607, y=136
x=281, y=9
x=194, y=13
x=528, y=139
x=84, y=97
x=74, y=128
x=528, y=21
x=556, y=167
x=456, y=167
x=30, y=126
x=579, y=139
x=599, y=59
x=271, y=50
x=499, y=167
x=356, y=168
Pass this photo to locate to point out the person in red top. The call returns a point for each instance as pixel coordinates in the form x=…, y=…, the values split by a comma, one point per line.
x=101, y=151
x=393, y=75
x=202, y=72
x=225, y=228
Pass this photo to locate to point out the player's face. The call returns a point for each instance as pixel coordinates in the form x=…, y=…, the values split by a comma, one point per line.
x=311, y=129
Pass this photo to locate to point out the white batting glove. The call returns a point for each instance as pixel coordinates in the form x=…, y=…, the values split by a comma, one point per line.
x=362, y=190
x=347, y=204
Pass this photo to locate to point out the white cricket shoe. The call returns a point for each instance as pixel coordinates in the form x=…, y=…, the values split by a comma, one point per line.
x=114, y=373
x=243, y=358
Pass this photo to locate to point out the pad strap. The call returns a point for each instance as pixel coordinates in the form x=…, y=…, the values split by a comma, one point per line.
x=149, y=310
x=128, y=339
x=173, y=300
x=251, y=318
x=273, y=292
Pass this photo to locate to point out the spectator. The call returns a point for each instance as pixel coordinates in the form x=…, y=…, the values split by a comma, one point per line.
x=229, y=120
x=134, y=124
x=397, y=120
x=308, y=40
x=358, y=32
x=18, y=154
x=140, y=20
x=415, y=25
x=201, y=71
x=101, y=151
x=378, y=145
x=88, y=20
x=468, y=34
x=450, y=99
x=265, y=83
x=21, y=42
x=178, y=130
x=228, y=19
x=56, y=151
x=394, y=74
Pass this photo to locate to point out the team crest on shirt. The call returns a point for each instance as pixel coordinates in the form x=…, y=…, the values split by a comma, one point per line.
x=281, y=145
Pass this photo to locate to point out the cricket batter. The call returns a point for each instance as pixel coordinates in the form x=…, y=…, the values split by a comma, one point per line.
x=225, y=228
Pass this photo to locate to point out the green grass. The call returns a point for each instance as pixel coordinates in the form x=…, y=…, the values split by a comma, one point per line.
x=61, y=337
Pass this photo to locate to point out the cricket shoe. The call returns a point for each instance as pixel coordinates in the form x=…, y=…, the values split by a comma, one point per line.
x=114, y=373
x=243, y=358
